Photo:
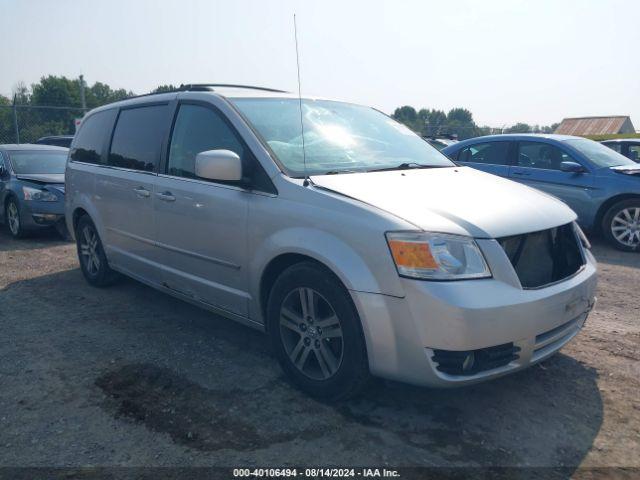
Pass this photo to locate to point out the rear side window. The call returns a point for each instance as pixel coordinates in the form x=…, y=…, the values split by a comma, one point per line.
x=137, y=138
x=492, y=153
x=89, y=143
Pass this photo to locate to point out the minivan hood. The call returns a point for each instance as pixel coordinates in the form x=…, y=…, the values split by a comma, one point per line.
x=43, y=177
x=457, y=200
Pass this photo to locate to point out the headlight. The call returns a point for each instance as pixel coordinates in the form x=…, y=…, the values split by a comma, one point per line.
x=38, y=195
x=437, y=256
x=583, y=238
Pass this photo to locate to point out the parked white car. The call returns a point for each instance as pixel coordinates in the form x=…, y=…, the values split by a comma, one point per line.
x=361, y=251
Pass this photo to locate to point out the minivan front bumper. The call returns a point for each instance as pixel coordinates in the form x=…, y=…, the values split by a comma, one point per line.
x=408, y=338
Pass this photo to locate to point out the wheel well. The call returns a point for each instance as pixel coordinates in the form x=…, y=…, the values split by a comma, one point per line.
x=9, y=196
x=273, y=270
x=77, y=213
x=597, y=224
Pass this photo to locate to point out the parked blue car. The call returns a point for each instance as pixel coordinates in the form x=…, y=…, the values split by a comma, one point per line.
x=599, y=184
x=32, y=188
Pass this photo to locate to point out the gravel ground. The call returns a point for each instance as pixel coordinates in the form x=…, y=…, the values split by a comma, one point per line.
x=129, y=376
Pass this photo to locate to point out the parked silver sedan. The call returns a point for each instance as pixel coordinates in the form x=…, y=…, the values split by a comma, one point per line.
x=355, y=245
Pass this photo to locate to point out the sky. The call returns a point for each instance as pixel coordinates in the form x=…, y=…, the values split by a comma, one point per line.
x=508, y=61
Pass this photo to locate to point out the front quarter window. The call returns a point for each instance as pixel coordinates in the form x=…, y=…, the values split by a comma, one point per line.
x=338, y=137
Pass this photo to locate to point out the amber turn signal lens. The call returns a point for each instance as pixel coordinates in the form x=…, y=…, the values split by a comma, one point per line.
x=412, y=254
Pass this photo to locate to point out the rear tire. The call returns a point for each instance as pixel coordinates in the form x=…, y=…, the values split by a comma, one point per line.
x=621, y=225
x=316, y=334
x=93, y=261
x=12, y=219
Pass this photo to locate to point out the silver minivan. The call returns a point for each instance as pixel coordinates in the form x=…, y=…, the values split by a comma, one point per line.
x=356, y=246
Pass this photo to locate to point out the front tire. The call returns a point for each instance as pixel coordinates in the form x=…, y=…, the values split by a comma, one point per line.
x=316, y=334
x=93, y=261
x=12, y=219
x=621, y=225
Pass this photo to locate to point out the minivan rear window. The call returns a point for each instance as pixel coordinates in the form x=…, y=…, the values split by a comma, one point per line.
x=89, y=143
x=137, y=138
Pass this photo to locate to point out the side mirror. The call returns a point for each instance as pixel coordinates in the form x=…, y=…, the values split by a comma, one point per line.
x=3, y=171
x=572, y=167
x=222, y=165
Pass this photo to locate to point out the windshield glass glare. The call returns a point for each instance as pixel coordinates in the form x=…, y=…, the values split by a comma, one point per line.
x=338, y=137
x=34, y=163
x=599, y=154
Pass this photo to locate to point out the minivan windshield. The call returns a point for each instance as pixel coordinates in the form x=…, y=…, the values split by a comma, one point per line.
x=41, y=162
x=599, y=154
x=338, y=137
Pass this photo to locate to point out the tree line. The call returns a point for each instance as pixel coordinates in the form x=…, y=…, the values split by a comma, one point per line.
x=65, y=94
x=458, y=121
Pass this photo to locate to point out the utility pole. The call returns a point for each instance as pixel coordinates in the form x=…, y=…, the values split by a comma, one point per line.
x=82, y=99
x=15, y=119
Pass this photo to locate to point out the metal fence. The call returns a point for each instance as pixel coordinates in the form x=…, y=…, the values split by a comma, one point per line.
x=27, y=123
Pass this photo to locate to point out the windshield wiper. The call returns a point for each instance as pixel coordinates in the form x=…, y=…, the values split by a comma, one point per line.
x=338, y=172
x=405, y=166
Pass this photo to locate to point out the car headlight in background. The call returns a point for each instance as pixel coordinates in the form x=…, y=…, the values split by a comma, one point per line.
x=437, y=256
x=38, y=195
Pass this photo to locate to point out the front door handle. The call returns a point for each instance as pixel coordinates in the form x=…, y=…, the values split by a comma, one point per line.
x=166, y=197
x=521, y=173
x=142, y=192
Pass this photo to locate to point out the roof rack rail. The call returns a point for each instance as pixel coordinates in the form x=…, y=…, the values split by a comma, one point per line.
x=207, y=86
x=191, y=87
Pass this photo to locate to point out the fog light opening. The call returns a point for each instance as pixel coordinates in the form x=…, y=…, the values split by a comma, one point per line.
x=469, y=362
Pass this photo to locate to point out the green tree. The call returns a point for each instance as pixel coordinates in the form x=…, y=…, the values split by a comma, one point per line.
x=56, y=91
x=164, y=88
x=460, y=115
x=7, y=133
x=101, y=94
x=433, y=122
x=409, y=117
x=460, y=122
x=519, y=128
x=549, y=128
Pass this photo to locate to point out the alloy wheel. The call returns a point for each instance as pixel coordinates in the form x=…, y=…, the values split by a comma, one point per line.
x=311, y=333
x=625, y=226
x=89, y=250
x=13, y=218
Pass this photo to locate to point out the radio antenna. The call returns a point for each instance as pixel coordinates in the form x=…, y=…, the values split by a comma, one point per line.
x=307, y=180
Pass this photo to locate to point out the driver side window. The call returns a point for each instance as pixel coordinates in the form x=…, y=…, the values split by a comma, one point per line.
x=541, y=155
x=198, y=129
